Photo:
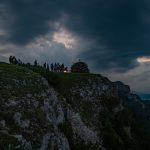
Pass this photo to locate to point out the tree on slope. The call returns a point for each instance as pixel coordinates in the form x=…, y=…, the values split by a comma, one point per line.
x=80, y=67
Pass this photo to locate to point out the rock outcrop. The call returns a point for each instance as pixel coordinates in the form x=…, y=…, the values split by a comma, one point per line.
x=90, y=114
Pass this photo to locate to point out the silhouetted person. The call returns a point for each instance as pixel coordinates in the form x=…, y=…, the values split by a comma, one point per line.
x=14, y=60
x=10, y=59
x=44, y=65
x=52, y=67
x=62, y=67
x=35, y=63
x=47, y=67
x=55, y=67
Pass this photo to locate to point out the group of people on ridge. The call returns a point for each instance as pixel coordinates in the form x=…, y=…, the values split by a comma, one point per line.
x=13, y=60
x=55, y=67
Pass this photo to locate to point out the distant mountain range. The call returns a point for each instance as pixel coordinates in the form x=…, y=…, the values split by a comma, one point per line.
x=143, y=96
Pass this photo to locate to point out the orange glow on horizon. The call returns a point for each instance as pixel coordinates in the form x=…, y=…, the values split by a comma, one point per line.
x=143, y=59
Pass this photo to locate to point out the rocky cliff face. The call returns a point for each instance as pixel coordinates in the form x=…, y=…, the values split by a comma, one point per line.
x=91, y=113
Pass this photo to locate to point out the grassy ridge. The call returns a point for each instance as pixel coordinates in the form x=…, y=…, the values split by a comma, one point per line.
x=63, y=81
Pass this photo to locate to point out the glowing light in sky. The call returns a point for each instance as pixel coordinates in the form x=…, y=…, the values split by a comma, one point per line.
x=64, y=37
x=143, y=59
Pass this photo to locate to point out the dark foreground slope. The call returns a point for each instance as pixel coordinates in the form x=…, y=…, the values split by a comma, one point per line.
x=51, y=111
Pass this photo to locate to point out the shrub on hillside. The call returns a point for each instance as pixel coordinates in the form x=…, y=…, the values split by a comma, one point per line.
x=79, y=67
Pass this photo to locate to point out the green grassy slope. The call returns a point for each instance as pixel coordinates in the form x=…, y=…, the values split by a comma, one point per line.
x=64, y=81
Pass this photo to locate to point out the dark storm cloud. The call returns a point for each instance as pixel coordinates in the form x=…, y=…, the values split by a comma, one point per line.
x=120, y=28
x=31, y=18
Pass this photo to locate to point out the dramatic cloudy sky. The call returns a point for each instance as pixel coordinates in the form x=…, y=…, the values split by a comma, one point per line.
x=112, y=36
